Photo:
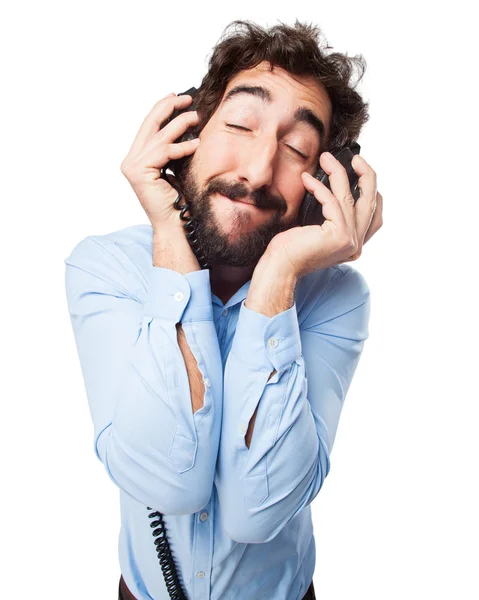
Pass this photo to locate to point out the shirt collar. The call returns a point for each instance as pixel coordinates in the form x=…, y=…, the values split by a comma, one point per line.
x=237, y=297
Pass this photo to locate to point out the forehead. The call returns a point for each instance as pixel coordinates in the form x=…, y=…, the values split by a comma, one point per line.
x=287, y=90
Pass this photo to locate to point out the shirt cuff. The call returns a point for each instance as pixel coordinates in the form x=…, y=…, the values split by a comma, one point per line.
x=267, y=342
x=179, y=297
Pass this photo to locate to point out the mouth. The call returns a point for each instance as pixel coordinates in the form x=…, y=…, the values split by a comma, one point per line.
x=242, y=201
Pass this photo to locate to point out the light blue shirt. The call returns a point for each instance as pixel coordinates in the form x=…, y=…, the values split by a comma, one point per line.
x=238, y=519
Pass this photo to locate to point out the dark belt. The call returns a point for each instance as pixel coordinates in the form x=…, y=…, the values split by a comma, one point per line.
x=125, y=594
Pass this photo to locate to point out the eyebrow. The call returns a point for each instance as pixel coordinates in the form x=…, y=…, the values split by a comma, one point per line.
x=301, y=114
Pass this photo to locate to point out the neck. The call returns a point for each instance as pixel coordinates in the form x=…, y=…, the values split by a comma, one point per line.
x=226, y=281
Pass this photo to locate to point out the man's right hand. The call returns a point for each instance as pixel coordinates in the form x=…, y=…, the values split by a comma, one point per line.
x=151, y=150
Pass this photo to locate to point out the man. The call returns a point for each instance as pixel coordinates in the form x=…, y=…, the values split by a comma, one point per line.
x=215, y=393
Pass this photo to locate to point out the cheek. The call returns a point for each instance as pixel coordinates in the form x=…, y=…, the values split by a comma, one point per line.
x=214, y=155
x=292, y=189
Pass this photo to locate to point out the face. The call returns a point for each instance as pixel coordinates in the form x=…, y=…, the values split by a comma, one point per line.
x=244, y=180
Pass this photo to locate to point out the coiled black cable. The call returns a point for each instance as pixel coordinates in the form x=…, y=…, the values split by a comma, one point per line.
x=189, y=223
x=165, y=557
x=162, y=544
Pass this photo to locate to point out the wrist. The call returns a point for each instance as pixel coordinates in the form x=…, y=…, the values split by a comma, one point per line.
x=171, y=250
x=272, y=289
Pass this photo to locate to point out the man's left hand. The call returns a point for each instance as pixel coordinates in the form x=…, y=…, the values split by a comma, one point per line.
x=347, y=226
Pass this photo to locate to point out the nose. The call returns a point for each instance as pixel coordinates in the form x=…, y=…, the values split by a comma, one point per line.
x=257, y=163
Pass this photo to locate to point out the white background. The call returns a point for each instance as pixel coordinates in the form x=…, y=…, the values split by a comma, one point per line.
x=395, y=518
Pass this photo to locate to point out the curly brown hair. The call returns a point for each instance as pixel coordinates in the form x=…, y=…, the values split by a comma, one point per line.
x=298, y=49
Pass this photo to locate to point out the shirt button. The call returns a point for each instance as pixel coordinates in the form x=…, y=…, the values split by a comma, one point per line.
x=200, y=574
x=243, y=428
x=178, y=296
x=273, y=342
x=207, y=382
x=225, y=312
x=203, y=516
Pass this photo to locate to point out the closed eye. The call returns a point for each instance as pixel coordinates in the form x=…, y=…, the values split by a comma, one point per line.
x=238, y=127
x=291, y=147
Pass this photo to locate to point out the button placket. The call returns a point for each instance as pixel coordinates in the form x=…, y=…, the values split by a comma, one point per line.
x=202, y=560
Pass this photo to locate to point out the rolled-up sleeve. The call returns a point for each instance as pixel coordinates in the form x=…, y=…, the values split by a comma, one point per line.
x=145, y=432
x=263, y=487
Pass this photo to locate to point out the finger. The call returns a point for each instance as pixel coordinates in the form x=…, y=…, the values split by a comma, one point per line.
x=375, y=225
x=339, y=183
x=366, y=203
x=168, y=134
x=330, y=206
x=159, y=113
x=377, y=220
x=367, y=181
x=177, y=126
x=176, y=151
x=365, y=207
x=158, y=156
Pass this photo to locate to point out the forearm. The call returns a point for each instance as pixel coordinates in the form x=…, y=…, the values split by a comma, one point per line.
x=268, y=294
x=171, y=250
x=265, y=376
x=249, y=433
x=195, y=379
x=262, y=487
x=151, y=443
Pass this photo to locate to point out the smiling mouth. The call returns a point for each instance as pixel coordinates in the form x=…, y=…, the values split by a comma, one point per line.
x=242, y=201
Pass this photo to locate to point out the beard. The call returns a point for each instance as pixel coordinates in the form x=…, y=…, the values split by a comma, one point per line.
x=209, y=243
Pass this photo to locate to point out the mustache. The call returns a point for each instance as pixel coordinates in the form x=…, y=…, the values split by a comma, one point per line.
x=238, y=191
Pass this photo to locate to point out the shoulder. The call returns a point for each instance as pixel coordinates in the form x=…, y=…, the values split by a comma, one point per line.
x=122, y=257
x=327, y=294
x=134, y=235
